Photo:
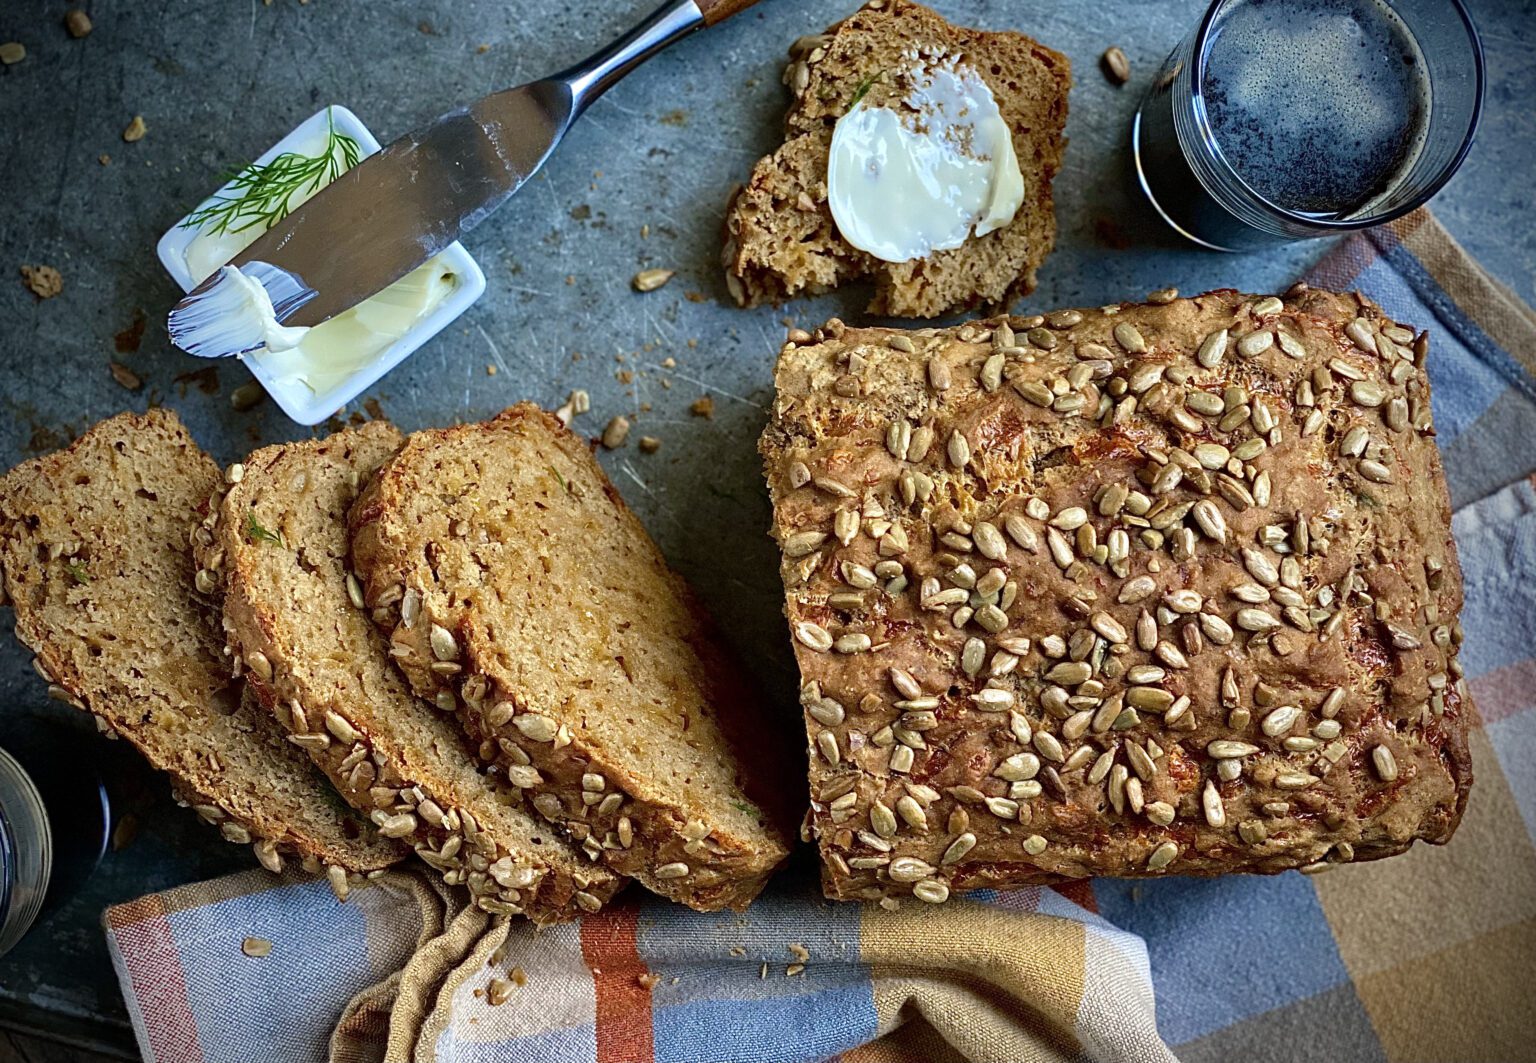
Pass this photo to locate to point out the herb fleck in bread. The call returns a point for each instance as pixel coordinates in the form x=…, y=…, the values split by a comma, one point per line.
x=523, y=593
x=781, y=239
x=1157, y=589
x=293, y=614
x=93, y=541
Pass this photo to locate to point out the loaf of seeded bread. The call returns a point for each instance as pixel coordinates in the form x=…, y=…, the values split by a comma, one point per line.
x=277, y=547
x=1141, y=590
x=522, y=592
x=781, y=239
x=93, y=545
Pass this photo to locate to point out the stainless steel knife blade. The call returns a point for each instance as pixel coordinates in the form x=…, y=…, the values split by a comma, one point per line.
x=399, y=207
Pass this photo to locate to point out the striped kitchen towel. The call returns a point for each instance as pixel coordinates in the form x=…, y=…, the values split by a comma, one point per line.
x=1425, y=956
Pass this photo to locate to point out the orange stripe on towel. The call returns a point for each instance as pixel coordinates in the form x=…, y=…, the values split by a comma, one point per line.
x=624, y=1031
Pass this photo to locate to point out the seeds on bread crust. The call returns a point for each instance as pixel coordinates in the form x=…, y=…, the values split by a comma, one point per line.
x=542, y=517
x=1196, y=647
x=325, y=676
x=93, y=545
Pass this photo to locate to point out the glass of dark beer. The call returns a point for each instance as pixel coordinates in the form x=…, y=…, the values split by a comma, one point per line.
x=1280, y=120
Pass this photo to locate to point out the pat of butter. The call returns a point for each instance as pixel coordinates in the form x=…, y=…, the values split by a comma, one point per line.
x=904, y=184
x=322, y=358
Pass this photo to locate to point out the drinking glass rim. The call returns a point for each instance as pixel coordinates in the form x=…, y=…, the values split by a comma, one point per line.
x=1202, y=122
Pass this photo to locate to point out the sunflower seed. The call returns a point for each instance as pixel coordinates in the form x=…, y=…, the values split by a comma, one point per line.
x=1128, y=337
x=959, y=450
x=1116, y=66
x=938, y=368
x=1359, y=332
x=814, y=636
x=444, y=646
x=1137, y=589
x=931, y=891
x=1255, y=343
x=908, y=869
x=1230, y=749
x=1367, y=393
x=1162, y=856
x=535, y=727
x=957, y=849
x=1020, y=532
x=1375, y=471
x=676, y=869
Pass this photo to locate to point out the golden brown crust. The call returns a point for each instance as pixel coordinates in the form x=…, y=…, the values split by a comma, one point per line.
x=521, y=591
x=277, y=547
x=1076, y=551
x=93, y=541
x=781, y=239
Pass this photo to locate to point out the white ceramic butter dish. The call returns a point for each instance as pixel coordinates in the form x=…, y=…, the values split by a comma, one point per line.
x=340, y=359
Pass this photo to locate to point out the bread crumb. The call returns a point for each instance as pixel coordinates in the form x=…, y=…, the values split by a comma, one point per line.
x=44, y=281
x=799, y=951
x=12, y=52
x=648, y=980
x=104, y=159
x=616, y=432
x=77, y=22
x=695, y=297
x=649, y=444
x=669, y=362
x=257, y=947
x=490, y=370
x=645, y=232
x=738, y=951
x=519, y=977
x=794, y=969
x=703, y=406
x=498, y=991
x=124, y=376
x=136, y=129
x=482, y=49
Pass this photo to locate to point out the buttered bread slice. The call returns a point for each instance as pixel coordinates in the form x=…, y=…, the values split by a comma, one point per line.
x=295, y=619
x=521, y=592
x=93, y=543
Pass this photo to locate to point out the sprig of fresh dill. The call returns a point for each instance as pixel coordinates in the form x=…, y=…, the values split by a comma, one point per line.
x=260, y=195
x=255, y=533
x=864, y=87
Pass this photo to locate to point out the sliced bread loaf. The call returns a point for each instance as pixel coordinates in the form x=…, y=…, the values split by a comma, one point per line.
x=293, y=614
x=522, y=592
x=781, y=237
x=93, y=543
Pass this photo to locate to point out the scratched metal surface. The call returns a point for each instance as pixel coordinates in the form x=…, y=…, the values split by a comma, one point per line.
x=218, y=83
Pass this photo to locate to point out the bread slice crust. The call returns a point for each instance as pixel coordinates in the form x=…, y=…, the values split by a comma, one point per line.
x=1136, y=590
x=781, y=239
x=93, y=546
x=293, y=617
x=522, y=593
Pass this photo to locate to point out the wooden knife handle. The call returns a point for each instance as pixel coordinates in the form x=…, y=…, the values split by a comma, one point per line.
x=717, y=11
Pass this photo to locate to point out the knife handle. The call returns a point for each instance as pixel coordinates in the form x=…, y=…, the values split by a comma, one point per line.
x=717, y=11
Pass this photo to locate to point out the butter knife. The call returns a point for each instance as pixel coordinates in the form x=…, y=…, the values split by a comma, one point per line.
x=396, y=209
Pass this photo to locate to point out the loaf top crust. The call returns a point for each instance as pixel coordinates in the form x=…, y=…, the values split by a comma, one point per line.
x=296, y=624
x=94, y=548
x=1145, y=589
x=781, y=239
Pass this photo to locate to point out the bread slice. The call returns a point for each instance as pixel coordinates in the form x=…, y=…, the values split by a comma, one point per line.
x=1152, y=589
x=781, y=239
x=525, y=594
x=93, y=543
x=293, y=617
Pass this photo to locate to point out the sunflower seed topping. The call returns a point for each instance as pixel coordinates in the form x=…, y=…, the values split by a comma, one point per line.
x=1385, y=763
